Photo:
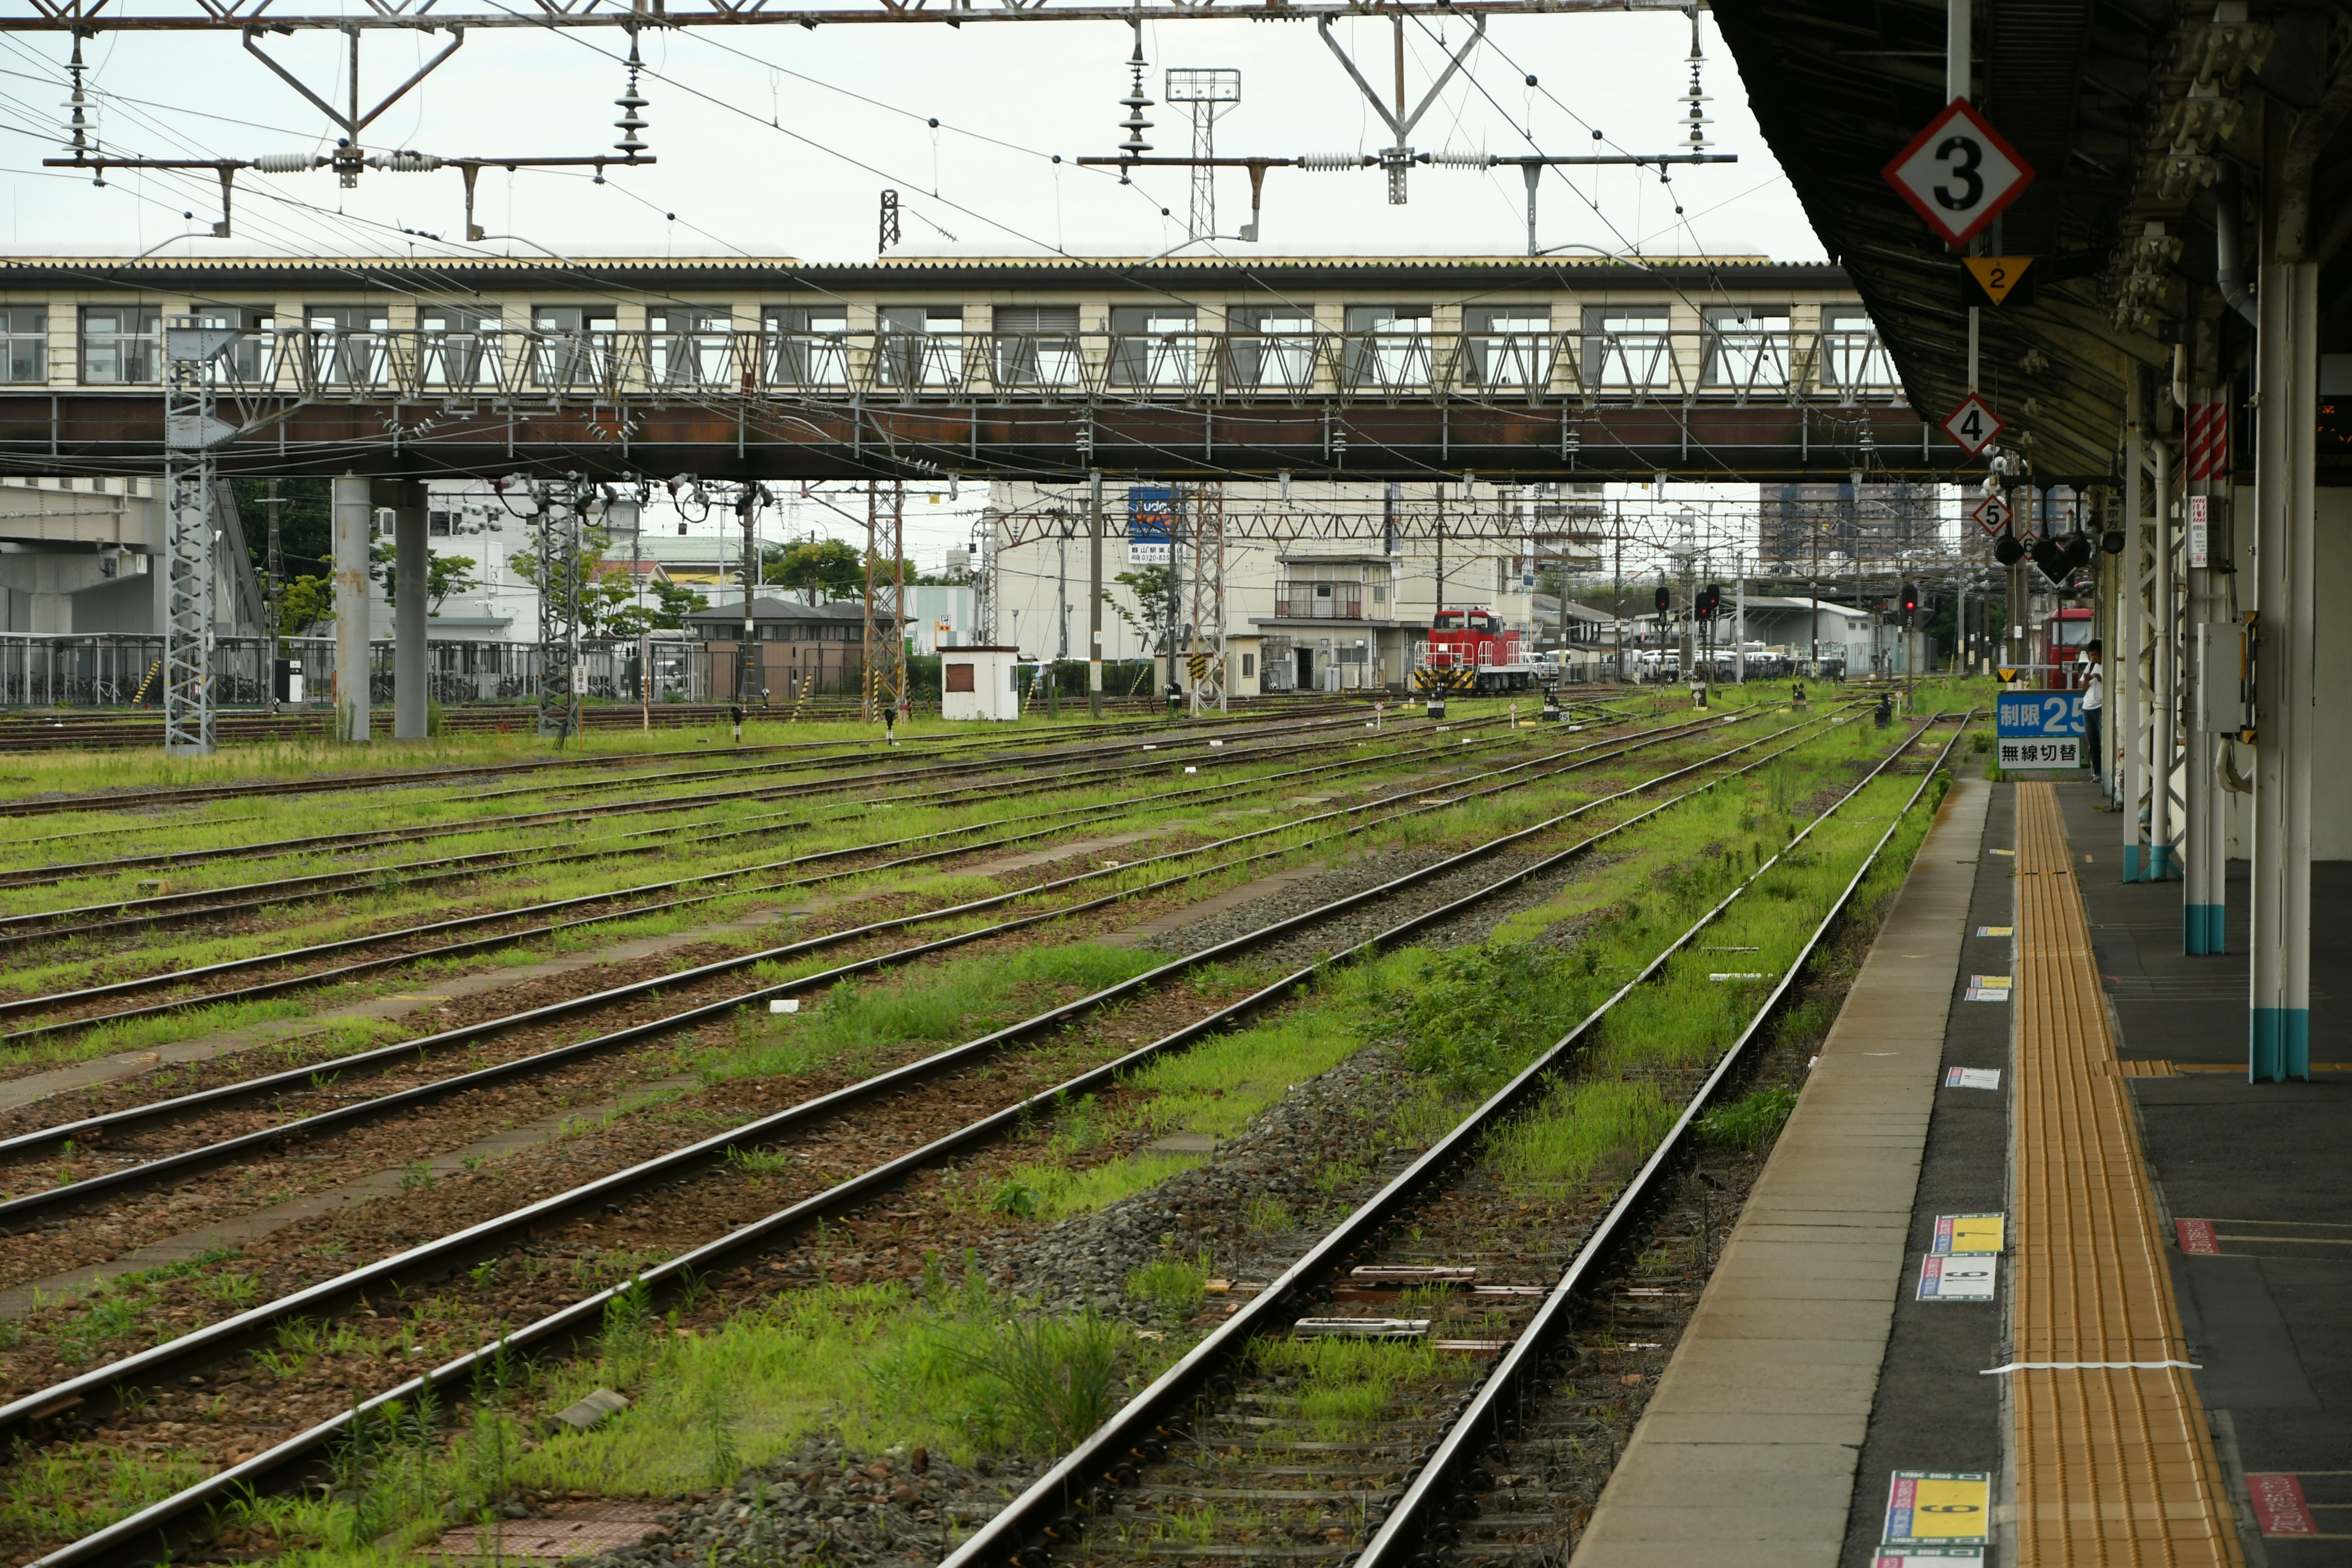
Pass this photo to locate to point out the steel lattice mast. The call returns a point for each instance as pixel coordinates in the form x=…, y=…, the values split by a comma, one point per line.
x=192, y=353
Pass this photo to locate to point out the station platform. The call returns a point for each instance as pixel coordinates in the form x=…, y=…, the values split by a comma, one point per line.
x=2033, y=1275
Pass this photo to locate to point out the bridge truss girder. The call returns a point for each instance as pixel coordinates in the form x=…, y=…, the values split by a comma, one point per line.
x=756, y=438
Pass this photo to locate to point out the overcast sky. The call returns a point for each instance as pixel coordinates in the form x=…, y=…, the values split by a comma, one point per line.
x=776, y=141
x=779, y=140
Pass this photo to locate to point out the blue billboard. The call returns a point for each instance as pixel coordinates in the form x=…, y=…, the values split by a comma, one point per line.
x=1150, y=524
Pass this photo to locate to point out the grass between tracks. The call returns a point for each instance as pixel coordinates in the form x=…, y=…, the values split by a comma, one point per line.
x=956, y=1367
x=97, y=959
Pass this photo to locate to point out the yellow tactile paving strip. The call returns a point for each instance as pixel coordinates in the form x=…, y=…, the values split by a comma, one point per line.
x=2114, y=1465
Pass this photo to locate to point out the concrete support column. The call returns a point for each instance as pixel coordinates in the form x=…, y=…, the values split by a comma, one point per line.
x=2164, y=740
x=2204, y=912
x=2131, y=693
x=2286, y=562
x=352, y=504
x=411, y=662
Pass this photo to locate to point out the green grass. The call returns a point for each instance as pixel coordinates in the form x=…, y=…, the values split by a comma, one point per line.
x=1750, y=1122
x=1345, y=1387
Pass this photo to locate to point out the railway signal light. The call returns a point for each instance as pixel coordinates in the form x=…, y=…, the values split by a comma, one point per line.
x=1910, y=598
x=1710, y=602
x=1665, y=598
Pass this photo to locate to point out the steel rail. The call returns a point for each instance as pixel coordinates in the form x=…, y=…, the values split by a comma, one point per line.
x=1443, y=1479
x=45, y=875
x=146, y=1531
x=17, y=931
x=90, y=1127
x=1228, y=789
x=1052, y=1507
x=163, y=909
x=379, y=778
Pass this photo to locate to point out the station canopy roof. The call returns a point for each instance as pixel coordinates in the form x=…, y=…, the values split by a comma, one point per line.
x=2134, y=115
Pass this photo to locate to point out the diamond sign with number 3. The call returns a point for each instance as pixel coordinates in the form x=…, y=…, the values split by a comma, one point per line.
x=1959, y=173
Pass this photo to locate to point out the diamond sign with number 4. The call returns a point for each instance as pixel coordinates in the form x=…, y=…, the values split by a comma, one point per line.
x=1959, y=173
x=1973, y=425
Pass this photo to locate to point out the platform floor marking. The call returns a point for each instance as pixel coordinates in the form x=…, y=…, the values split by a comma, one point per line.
x=2113, y=1456
x=1938, y=1508
x=1972, y=1078
x=2279, y=1505
x=1969, y=1276
x=1959, y=1233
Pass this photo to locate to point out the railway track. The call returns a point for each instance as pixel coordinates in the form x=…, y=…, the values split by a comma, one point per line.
x=223, y=901
x=1444, y=1263
x=1084, y=766
x=291, y=1091
x=65, y=730
x=1446, y=889
x=608, y=905
x=377, y=778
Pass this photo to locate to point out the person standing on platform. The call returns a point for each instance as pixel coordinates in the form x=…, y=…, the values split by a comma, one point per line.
x=2094, y=702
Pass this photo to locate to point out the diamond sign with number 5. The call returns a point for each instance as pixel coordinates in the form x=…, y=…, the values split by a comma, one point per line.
x=1959, y=173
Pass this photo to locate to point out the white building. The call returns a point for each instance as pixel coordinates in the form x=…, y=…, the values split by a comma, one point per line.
x=1339, y=579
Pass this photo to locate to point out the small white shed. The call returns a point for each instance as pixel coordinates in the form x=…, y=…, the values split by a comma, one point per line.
x=977, y=683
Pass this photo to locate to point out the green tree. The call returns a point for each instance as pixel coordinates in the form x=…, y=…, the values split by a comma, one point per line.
x=1149, y=619
x=305, y=524
x=675, y=602
x=444, y=574
x=823, y=569
x=604, y=591
x=306, y=604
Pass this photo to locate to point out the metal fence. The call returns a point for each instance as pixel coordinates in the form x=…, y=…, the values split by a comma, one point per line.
x=110, y=670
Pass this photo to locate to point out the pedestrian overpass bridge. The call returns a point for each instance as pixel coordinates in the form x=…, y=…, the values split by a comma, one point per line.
x=1510, y=369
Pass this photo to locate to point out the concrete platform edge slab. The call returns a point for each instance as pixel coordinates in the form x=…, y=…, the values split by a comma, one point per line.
x=1898, y=1003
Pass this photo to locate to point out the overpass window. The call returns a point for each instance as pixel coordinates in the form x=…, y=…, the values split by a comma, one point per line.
x=572, y=345
x=808, y=345
x=23, y=342
x=1152, y=346
x=922, y=346
x=349, y=344
x=1627, y=347
x=121, y=344
x=690, y=347
x=457, y=348
x=1037, y=345
x=1851, y=355
x=1388, y=346
x=252, y=359
x=1747, y=346
x=1271, y=348
x=1509, y=346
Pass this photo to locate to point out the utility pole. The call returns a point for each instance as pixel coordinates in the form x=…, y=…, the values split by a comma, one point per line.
x=899, y=599
x=1094, y=596
x=1175, y=604
x=1813, y=586
x=1739, y=619
x=1440, y=536
x=747, y=678
x=273, y=582
x=865, y=674
x=1617, y=588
